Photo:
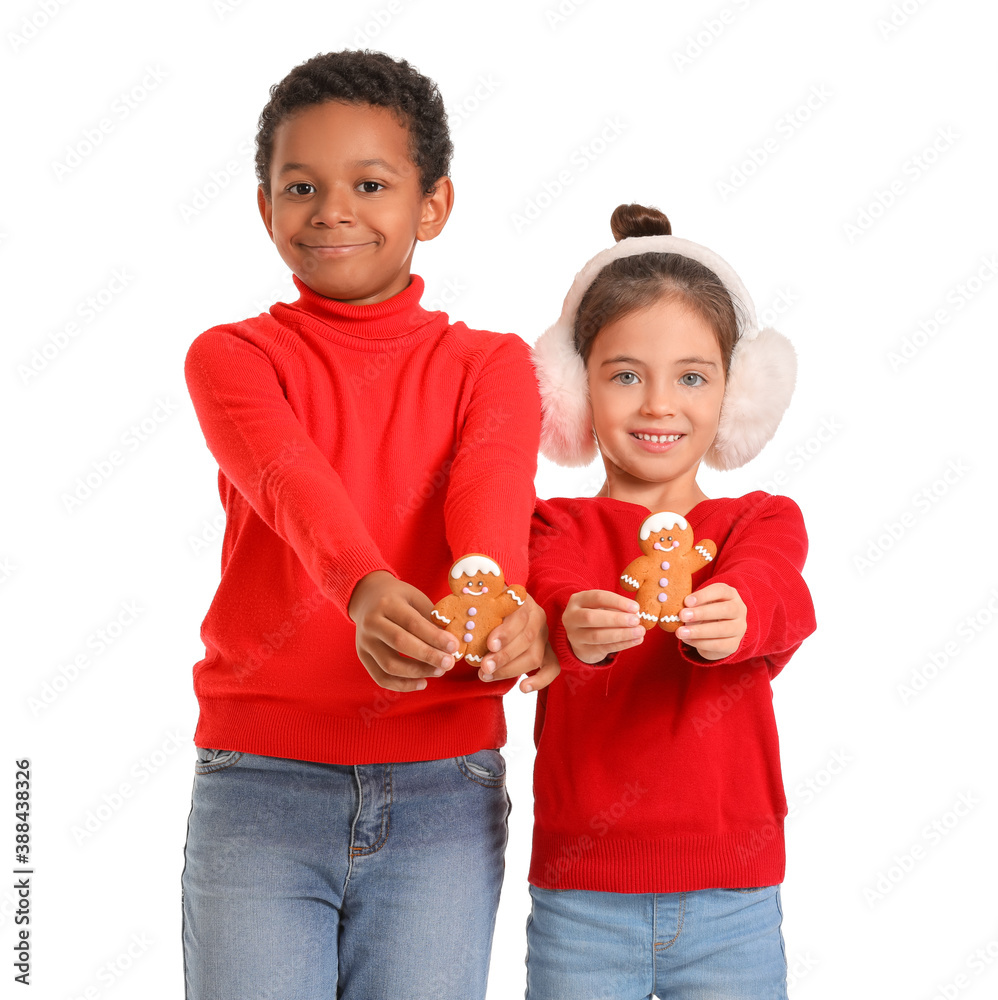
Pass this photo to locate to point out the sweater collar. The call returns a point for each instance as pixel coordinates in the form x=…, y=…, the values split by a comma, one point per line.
x=699, y=512
x=399, y=316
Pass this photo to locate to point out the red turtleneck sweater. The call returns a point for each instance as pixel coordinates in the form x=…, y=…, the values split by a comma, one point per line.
x=351, y=439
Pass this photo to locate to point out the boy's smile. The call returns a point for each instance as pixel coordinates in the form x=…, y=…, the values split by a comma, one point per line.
x=656, y=382
x=346, y=204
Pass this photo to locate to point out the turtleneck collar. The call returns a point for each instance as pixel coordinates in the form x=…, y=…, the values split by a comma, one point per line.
x=358, y=326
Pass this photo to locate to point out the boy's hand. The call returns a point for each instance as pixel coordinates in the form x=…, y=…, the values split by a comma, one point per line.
x=600, y=622
x=517, y=644
x=549, y=670
x=716, y=620
x=390, y=616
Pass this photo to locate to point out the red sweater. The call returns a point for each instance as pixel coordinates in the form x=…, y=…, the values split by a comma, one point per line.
x=660, y=772
x=351, y=439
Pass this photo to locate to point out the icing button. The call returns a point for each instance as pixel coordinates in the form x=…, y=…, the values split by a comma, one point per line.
x=663, y=582
x=663, y=597
x=468, y=637
x=665, y=565
x=472, y=611
x=469, y=625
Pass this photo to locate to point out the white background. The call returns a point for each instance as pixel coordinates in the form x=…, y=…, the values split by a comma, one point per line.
x=699, y=108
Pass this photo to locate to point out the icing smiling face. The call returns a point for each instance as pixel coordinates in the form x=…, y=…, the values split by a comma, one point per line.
x=474, y=576
x=664, y=532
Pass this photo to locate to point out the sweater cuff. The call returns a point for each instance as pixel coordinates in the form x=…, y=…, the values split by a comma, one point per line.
x=343, y=575
x=690, y=655
x=558, y=638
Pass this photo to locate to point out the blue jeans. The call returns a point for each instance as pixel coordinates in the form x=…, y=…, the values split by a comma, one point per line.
x=725, y=944
x=305, y=881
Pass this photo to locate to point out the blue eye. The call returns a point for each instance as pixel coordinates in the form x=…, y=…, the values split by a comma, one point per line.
x=692, y=379
x=294, y=188
x=625, y=378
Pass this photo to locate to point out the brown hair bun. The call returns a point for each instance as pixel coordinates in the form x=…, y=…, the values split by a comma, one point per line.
x=638, y=220
x=632, y=282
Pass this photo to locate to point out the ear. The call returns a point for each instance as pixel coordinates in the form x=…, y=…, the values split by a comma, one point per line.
x=266, y=207
x=436, y=208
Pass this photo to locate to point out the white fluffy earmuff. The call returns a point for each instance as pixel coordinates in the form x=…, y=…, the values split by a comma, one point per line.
x=759, y=385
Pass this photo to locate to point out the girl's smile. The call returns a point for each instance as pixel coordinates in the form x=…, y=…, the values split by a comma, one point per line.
x=654, y=441
x=656, y=382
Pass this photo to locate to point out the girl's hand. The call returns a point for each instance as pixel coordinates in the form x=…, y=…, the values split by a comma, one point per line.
x=600, y=622
x=390, y=616
x=716, y=620
x=517, y=644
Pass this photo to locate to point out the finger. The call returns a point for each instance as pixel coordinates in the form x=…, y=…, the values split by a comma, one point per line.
x=401, y=653
x=600, y=618
x=717, y=611
x=389, y=681
x=509, y=628
x=413, y=636
x=593, y=654
x=616, y=647
x=711, y=592
x=410, y=620
x=708, y=630
x=540, y=678
x=524, y=649
x=606, y=636
x=522, y=656
x=509, y=670
x=607, y=599
x=519, y=639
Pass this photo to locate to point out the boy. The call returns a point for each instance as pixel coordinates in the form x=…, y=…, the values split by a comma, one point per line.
x=348, y=817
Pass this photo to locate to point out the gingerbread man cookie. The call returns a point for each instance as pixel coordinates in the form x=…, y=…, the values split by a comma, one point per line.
x=663, y=576
x=478, y=602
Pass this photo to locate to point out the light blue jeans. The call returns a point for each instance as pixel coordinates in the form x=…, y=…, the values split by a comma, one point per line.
x=712, y=944
x=309, y=881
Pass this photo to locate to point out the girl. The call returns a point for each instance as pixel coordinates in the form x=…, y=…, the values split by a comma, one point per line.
x=659, y=805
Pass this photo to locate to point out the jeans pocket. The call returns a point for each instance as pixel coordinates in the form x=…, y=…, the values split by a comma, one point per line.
x=215, y=760
x=486, y=767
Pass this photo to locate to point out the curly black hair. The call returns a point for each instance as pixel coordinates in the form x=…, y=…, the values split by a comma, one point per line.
x=363, y=77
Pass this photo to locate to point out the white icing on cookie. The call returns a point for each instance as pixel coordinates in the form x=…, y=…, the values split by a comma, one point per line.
x=436, y=614
x=473, y=566
x=630, y=581
x=704, y=552
x=512, y=593
x=663, y=520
